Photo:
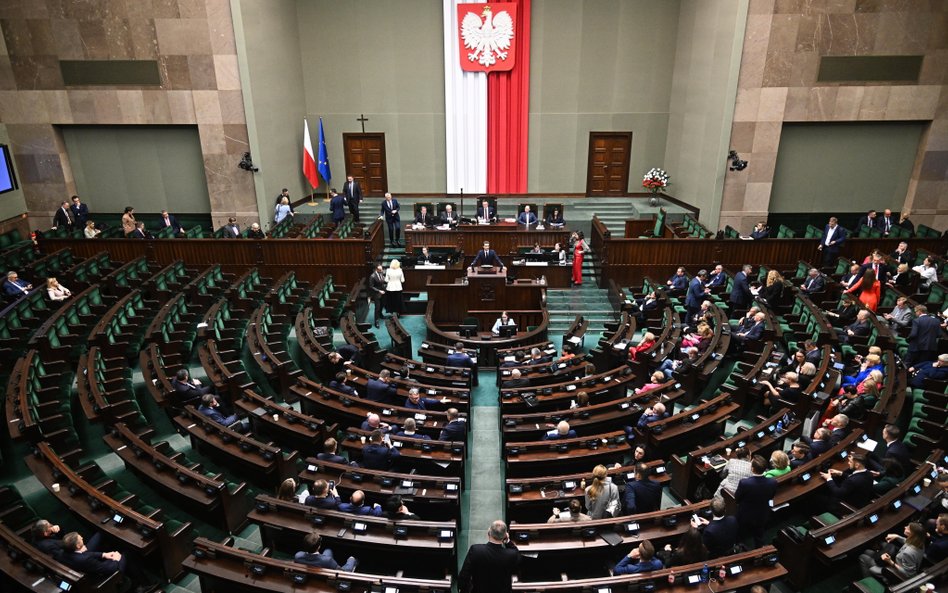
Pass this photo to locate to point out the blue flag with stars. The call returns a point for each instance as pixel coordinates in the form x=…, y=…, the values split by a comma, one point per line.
x=322, y=161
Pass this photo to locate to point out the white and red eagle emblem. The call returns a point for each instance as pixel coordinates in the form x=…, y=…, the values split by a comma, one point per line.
x=487, y=45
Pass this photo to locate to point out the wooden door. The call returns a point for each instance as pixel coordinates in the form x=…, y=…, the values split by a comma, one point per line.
x=607, y=173
x=365, y=161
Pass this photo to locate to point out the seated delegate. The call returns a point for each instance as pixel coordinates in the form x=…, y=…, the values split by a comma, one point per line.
x=526, y=217
x=504, y=319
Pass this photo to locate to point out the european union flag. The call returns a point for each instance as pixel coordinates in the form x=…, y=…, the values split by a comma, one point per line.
x=322, y=161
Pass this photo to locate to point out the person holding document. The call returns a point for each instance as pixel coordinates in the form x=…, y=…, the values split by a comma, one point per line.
x=485, y=213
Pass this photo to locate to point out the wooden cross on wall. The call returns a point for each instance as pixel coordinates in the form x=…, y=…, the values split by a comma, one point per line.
x=362, y=119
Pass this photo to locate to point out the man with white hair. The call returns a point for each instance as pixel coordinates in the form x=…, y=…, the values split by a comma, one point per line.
x=409, y=429
x=561, y=431
x=374, y=422
x=814, y=282
x=653, y=414
x=936, y=371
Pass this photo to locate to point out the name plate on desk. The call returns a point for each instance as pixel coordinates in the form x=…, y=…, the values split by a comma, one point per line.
x=429, y=267
x=541, y=264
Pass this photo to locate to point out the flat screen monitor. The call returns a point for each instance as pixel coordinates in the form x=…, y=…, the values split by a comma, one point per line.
x=467, y=331
x=7, y=177
x=508, y=331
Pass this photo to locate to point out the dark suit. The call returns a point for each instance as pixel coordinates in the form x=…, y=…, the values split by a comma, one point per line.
x=814, y=356
x=216, y=416
x=678, y=283
x=337, y=206
x=812, y=285
x=528, y=218
x=763, y=233
x=51, y=546
x=487, y=258
x=456, y=430
x=136, y=234
x=173, y=223
x=459, y=359
x=186, y=392
x=881, y=270
x=885, y=224
x=393, y=219
x=488, y=568
x=363, y=509
x=323, y=560
x=63, y=219
x=866, y=221
x=426, y=219
x=836, y=435
x=554, y=435
x=896, y=450
x=642, y=496
x=332, y=458
x=694, y=297
x=445, y=219
x=378, y=456
x=818, y=447
x=831, y=251
x=555, y=221
x=753, y=496
x=855, y=489
x=15, y=288
x=343, y=388
x=491, y=212
x=741, y=296
x=720, y=536
x=93, y=563
x=904, y=257
x=923, y=339
x=380, y=391
x=322, y=502
x=753, y=333
x=716, y=280
x=376, y=288
x=231, y=231
x=927, y=370
x=80, y=214
x=353, y=193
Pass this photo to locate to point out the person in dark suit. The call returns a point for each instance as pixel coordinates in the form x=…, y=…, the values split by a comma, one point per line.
x=187, y=390
x=839, y=428
x=449, y=216
x=409, y=429
x=696, y=292
x=853, y=486
x=339, y=384
x=311, y=556
x=559, y=432
x=455, y=429
x=753, y=332
x=63, y=218
x=352, y=190
x=891, y=447
x=343, y=356
x=337, y=206
x=642, y=495
x=902, y=254
x=80, y=212
x=813, y=353
x=459, y=358
x=741, y=296
x=377, y=454
x=486, y=212
x=168, y=220
x=414, y=401
x=139, y=232
x=424, y=217
x=377, y=291
x=678, y=283
x=820, y=443
x=47, y=539
x=760, y=231
x=641, y=559
x=16, y=287
x=487, y=257
x=555, y=219
x=78, y=556
x=489, y=568
x=390, y=212
x=208, y=407
x=516, y=380
x=381, y=389
x=814, y=283
x=255, y=232
x=231, y=230
x=885, y=222
x=322, y=496
x=718, y=277
x=923, y=339
x=753, y=496
x=720, y=533
x=877, y=264
x=831, y=240
x=527, y=217
x=330, y=447
x=859, y=328
x=799, y=454
x=927, y=370
x=869, y=220
x=357, y=506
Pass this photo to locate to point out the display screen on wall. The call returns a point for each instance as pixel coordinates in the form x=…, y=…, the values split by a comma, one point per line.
x=7, y=177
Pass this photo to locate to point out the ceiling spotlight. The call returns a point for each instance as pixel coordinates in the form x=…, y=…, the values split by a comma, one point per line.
x=737, y=164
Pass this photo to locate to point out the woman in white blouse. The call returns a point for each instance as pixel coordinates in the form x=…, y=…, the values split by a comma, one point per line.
x=56, y=291
x=90, y=231
x=394, y=278
x=927, y=271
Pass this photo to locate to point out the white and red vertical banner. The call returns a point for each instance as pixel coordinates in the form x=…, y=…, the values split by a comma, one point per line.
x=487, y=95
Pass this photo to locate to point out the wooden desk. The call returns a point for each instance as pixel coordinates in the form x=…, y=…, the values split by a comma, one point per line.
x=505, y=238
x=455, y=300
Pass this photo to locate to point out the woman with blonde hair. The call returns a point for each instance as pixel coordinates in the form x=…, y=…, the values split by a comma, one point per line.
x=779, y=465
x=648, y=340
x=90, y=231
x=56, y=291
x=602, y=496
x=394, y=278
x=655, y=381
x=772, y=292
x=287, y=490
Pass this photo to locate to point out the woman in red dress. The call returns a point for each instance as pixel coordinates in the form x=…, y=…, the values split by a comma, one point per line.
x=869, y=290
x=579, y=249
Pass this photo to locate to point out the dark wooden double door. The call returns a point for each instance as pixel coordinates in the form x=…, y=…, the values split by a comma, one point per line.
x=365, y=161
x=607, y=172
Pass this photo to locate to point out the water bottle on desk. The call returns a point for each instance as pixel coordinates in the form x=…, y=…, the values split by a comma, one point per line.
x=704, y=573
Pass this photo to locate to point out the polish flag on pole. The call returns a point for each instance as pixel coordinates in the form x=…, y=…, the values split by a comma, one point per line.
x=309, y=159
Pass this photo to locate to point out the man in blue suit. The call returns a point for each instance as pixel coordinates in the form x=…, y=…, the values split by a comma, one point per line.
x=77, y=556
x=337, y=206
x=80, y=213
x=382, y=389
x=696, y=292
x=487, y=257
x=377, y=454
x=169, y=221
x=853, y=486
x=486, y=212
x=741, y=296
x=311, y=556
x=357, y=506
x=678, y=282
x=393, y=219
x=891, y=447
x=833, y=237
x=526, y=217
x=455, y=429
x=753, y=496
x=717, y=278
x=208, y=407
x=923, y=339
x=754, y=332
x=16, y=287
x=322, y=496
x=720, y=533
x=562, y=431
x=461, y=359
x=814, y=283
x=642, y=495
